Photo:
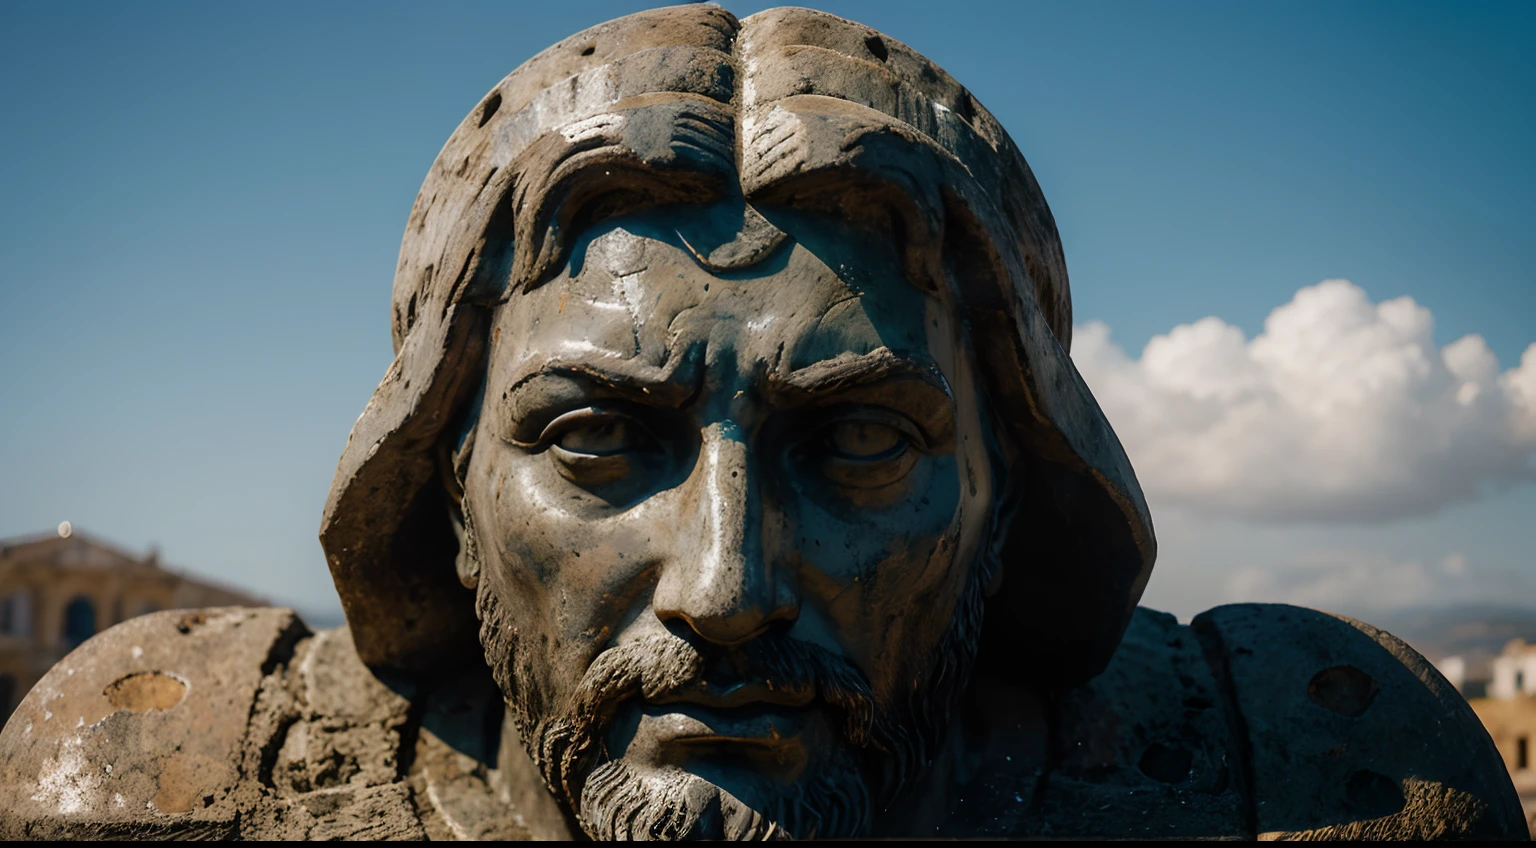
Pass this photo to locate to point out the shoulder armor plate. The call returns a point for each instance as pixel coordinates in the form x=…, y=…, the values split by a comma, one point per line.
x=140, y=731
x=1350, y=734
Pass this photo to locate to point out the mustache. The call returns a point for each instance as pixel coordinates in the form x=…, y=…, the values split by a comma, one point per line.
x=661, y=666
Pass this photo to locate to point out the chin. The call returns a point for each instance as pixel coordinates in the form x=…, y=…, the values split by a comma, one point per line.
x=633, y=801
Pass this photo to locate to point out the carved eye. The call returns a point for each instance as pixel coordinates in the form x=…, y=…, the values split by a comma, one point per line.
x=602, y=436
x=868, y=441
x=592, y=447
x=866, y=453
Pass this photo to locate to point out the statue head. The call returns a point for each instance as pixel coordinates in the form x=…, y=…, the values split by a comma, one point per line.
x=732, y=417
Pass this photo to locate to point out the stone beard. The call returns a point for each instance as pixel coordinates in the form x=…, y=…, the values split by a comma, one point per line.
x=880, y=749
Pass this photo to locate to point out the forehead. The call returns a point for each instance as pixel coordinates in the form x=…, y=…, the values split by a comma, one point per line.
x=633, y=291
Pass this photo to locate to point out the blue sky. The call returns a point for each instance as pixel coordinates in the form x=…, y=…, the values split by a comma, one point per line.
x=204, y=203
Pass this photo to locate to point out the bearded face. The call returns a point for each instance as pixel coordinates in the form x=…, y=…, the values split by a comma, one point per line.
x=727, y=524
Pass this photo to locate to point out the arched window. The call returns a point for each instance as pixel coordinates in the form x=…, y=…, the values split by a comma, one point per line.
x=16, y=614
x=79, y=621
x=7, y=696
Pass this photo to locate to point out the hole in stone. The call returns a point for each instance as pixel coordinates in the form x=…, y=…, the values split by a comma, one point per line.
x=1373, y=795
x=1166, y=764
x=591, y=48
x=492, y=103
x=1343, y=689
x=877, y=48
x=145, y=690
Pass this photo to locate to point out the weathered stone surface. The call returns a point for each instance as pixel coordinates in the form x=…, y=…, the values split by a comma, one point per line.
x=1351, y=734
x=332, y=737
x=350, y=723
x=377, y=813
x=139, y=732
x=1145, y=748
x=459, y=791
x=219, y=723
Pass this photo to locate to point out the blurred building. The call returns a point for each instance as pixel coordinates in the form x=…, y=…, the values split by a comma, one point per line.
x=60, y=588
x=1509, y=714
x=1514, y=671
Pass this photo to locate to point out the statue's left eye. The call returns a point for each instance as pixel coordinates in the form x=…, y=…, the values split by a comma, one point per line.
x=865, y=441
x=868, y=451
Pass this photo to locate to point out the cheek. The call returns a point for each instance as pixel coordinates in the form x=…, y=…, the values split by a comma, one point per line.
x=568, y=579
x=883, y=580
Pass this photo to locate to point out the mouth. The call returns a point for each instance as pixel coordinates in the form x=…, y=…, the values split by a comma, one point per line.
x=738, y=695
x=725, y=731
x=694, y=725
x=748, y=713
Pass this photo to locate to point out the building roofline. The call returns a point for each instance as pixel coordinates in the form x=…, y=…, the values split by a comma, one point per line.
x=9, y=549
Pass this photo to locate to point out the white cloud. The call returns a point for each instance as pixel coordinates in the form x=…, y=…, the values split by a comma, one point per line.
x=1340, y=410
x=1345, y=580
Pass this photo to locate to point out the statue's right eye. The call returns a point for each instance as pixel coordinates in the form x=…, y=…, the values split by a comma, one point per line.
x=592, y=447
x=601, y=437
x=593, y=432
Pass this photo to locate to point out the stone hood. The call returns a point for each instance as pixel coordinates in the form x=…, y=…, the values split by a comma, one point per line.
x=788, y=106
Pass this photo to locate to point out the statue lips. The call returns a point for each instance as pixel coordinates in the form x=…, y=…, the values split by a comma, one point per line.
x=741, y=715
x=691, y=724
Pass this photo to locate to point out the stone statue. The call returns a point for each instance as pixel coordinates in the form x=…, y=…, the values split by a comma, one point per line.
x=732, y=480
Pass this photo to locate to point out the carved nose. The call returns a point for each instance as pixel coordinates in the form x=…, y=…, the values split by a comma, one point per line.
x=719, y=582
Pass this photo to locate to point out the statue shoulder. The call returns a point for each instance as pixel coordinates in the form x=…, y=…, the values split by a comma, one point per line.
x=1143, y=750
x=139, y=730
x=1267, y=720
x=216, y=723
x=1348, y=733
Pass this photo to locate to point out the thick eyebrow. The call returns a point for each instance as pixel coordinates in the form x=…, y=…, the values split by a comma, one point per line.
x=913, y=386
x=849, y=370
x=670, y=386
